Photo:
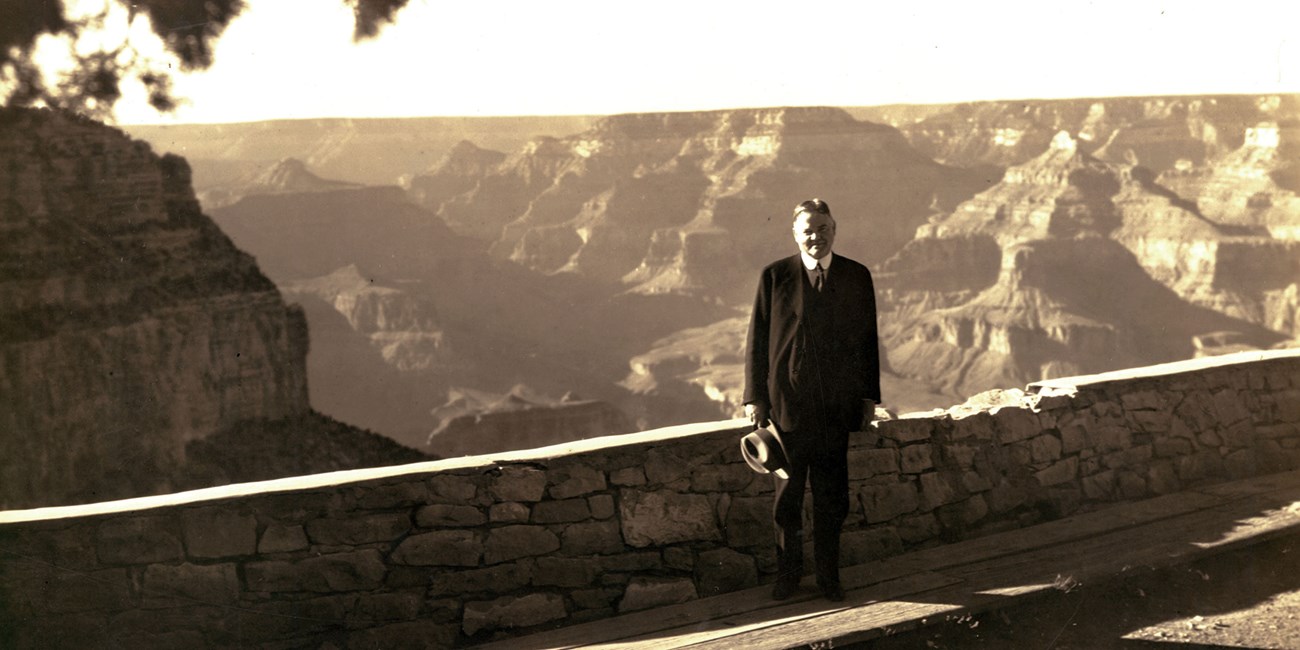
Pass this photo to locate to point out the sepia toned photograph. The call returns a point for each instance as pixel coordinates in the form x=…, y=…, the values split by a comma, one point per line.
x=365, y=324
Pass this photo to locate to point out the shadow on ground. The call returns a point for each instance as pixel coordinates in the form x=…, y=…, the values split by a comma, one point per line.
x=1247, y=598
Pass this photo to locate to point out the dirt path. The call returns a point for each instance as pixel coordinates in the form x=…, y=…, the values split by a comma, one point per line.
x=1243, y=599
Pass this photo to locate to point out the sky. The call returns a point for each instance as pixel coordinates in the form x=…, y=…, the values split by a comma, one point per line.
x=296, y=58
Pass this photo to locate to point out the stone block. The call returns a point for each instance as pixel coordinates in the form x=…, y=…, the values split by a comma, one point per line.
x=885, y=502
x=723, y=570
x=518, y=484
x=1179, y=429
x=647, y=593
x=749, y=522
x=575, y=481
x=590, y=538
x=1196, y=411
x=866, y=463
x=398, y=495
x=980, y=426
x=332, y=573
x=499, y=579
x=454, y=488
x=508, y=513
x=1062, y=472
x=916, y=459
x=218, y=532
x=730, y=477
x=601, y=505
x=1016, y=424
x=513, y=542
x=1209, y=438
x=627, y=477
x=512, y=612
x=449, y=515
x=354, y=531
x=282, y=538
x=939, y=489
x=1045, y=448
x=439, y=548
x=136, y=540
x=1230, y=407
x=862, y=546
x=663, y=465
x=565, y=572
x=663, y=517
x=907, y=430
x=168, y=585
x=563, y=511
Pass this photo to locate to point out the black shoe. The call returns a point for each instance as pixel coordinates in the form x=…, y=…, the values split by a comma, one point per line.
x=784, y=588
x=833, y=593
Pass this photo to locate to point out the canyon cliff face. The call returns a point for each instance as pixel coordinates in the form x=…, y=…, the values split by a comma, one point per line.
x=695, y=202
x=130, y=326
x=1158, y=133
x=1055, y=271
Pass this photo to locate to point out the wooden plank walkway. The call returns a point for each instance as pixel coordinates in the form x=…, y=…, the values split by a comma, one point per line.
x=903, y=592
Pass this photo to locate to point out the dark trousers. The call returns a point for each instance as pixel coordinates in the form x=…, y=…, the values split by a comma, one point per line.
x=819, y=458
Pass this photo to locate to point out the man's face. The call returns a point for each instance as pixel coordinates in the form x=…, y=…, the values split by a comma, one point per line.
x=815, y=233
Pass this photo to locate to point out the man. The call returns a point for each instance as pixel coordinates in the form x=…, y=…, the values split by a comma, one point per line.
x=812, y=365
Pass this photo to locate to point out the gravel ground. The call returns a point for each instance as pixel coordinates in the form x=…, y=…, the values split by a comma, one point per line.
x=1249, y=598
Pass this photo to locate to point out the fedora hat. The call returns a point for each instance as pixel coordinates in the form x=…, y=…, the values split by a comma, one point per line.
x=764, y=451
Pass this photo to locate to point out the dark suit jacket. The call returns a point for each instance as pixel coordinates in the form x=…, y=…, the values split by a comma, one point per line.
x=813, y=381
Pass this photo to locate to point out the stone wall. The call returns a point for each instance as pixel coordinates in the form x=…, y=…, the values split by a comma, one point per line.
x=459, y=551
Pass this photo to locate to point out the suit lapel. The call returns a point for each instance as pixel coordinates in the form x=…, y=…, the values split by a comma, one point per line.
x=793, y=285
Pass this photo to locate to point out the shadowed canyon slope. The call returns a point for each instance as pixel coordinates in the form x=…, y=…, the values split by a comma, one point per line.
x=136, y=341
x=1011, y=241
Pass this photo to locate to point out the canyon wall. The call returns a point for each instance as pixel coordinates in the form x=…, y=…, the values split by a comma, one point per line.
x=454, y=552
x=131, y=325
x=133, y=332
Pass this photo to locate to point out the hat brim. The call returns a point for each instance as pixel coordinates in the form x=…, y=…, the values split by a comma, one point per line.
x=764, y=451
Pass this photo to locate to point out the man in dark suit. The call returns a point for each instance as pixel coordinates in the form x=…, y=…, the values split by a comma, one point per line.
x=812, y=365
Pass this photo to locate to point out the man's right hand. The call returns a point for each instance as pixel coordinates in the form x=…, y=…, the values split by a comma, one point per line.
x=757, y=414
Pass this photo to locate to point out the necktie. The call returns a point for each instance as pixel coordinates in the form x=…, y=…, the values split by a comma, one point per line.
x=821, y=278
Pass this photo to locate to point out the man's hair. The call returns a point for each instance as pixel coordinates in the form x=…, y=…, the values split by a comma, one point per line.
x=813, y=206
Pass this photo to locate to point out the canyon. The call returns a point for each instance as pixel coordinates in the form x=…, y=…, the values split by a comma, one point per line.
x=613, y=258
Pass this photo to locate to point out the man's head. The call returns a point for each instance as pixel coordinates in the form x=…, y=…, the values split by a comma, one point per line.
x=814, y=228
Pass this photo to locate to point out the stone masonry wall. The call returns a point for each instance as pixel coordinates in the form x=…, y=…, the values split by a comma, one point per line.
x=454, y=552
